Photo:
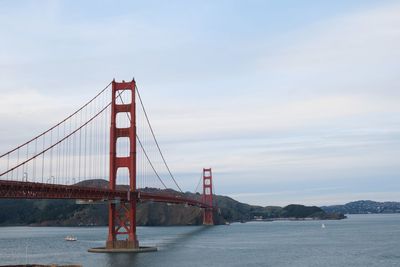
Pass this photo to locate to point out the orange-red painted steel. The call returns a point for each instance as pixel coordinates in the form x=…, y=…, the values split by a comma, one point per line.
x=122, y=216
x=208, y=197
x=27, y=190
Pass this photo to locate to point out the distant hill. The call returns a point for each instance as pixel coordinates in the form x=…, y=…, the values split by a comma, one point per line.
x=68, y=213
x=364, y=207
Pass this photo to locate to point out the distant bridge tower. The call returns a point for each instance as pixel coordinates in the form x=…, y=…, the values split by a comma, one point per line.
x=122, y=216
x=208, y=197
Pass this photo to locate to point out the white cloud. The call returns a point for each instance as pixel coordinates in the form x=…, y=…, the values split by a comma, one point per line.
x=25, y=103
x=259, y=117
x=284, y=111
x=351, y=52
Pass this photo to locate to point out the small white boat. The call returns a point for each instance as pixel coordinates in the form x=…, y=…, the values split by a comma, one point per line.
x=70, y=238
x=323, y=226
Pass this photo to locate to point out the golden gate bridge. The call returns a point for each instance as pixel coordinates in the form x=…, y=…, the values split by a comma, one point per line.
x=107, y=138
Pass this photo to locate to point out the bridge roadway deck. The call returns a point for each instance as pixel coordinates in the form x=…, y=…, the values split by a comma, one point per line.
x=29, y=190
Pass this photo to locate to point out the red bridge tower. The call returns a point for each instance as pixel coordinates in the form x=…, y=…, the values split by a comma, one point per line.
x=122, y=216
x=208, y=197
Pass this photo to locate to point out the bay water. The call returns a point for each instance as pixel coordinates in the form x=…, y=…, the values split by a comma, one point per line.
x=360, y=240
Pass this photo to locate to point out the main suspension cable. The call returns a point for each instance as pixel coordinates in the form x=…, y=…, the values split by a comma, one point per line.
x=198, y=184
x=141, y=145
x=58, y=124
x=155, y=139
x=53, y=145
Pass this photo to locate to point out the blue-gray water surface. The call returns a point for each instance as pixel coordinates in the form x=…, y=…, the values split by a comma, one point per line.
x=360, y=240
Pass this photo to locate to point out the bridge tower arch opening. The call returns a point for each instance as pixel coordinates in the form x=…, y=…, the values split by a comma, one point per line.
x=122, y=214
x=208, y=197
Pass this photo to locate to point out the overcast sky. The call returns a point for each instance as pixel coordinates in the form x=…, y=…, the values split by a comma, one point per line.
x=287, y=101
